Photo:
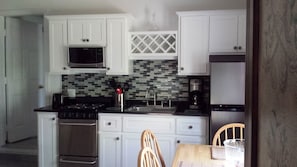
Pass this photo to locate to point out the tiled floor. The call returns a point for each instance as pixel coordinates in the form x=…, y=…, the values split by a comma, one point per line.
x=19, y=154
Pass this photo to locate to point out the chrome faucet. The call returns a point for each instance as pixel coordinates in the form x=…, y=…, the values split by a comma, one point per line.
x=148, y=95
x=155, y=97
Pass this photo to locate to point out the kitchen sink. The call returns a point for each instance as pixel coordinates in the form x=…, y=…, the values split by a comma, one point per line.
x=151, y=109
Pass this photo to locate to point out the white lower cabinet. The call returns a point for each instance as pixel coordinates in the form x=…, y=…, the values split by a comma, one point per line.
x=47, y=139
x=121, y=144
x=130, y=149
x=110, y=149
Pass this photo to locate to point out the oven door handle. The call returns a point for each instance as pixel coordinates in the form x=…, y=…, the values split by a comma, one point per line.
x=78, y=124
x=78, y=162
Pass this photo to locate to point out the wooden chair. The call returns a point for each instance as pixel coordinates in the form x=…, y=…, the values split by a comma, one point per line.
x=148, y=139
x=226, y=131
x=147, y=158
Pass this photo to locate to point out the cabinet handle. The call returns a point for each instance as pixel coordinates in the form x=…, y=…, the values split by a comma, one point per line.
x=64, y=68
x=83, y=40
x=178, y=141
x=87, y=40
x=117, y=138
x=235, y=47
x=109, y=123
x=182, y=68
x=53, y=119
x=239, y=48
x=107, y=68
x=190, y=127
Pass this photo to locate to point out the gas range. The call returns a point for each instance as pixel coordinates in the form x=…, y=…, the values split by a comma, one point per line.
x=82, y=107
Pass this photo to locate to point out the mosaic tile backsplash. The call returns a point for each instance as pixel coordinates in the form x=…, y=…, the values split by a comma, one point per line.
x=160, y=75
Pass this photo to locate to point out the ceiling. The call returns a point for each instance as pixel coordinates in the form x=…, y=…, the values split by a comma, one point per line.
x=162, y=12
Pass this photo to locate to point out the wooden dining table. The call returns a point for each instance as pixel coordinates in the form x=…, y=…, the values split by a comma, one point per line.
x=196, y=155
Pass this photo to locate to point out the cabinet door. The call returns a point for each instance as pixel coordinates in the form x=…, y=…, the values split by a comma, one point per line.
x=58, y=46
x=87, y=31
x=223, y=33
x=242, y=33
x=110, y=149
x=193, y=42
x=47, y=140
x=131, y=148
x=116, y=50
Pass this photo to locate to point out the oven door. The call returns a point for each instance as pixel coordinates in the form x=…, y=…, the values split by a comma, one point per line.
x=78, y=137
x=68, y=161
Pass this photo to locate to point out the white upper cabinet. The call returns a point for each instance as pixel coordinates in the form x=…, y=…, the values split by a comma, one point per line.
x=193, y=43
x=228, y=32
x=118, y=62
x=107, y=31
x=87, y=31
x=56, y=35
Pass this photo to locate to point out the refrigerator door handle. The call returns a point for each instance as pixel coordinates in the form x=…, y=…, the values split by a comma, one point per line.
x=78, y=162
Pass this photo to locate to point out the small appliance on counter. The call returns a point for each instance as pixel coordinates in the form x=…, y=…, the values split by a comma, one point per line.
x=198, y=100
x=195, y=94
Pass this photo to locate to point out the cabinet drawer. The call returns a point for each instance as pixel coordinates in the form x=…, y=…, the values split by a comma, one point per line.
x=156, y=124
x=110, y=123
x=191, y=140
x=192, y=126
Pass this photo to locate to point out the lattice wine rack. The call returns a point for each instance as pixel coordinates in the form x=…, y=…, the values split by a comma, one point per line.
x=153, y=45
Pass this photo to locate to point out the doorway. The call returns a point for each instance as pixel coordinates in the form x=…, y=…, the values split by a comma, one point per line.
x=23, y=78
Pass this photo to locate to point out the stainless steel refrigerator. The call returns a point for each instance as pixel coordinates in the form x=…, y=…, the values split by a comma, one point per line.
x=227, y=90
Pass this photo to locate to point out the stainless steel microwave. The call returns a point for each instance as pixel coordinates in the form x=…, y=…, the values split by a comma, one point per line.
x=86, y=57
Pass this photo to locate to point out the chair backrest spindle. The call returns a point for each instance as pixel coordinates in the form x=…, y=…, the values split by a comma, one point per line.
x=225, y=129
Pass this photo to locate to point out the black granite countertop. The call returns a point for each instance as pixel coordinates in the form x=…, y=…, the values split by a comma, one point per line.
x=48, y=108
x=181, y=109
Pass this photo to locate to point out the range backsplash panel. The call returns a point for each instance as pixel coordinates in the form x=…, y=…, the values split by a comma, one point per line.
x=159, y=75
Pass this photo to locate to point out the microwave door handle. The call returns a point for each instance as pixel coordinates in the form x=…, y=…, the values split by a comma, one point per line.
x=78, y=162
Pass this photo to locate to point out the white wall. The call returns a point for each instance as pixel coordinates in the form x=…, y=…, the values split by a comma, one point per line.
x=159, y=12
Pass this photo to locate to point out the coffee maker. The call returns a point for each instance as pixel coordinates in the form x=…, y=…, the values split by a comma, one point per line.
x=195, y=93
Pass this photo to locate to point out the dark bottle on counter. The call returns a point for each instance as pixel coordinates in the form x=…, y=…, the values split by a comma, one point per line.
x=57, y=100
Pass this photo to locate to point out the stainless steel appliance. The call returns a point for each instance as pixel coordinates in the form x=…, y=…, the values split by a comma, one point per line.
x=78, y=143
x=227, y=90
x=86, y=57
x=198, y=99
x=78, y=127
